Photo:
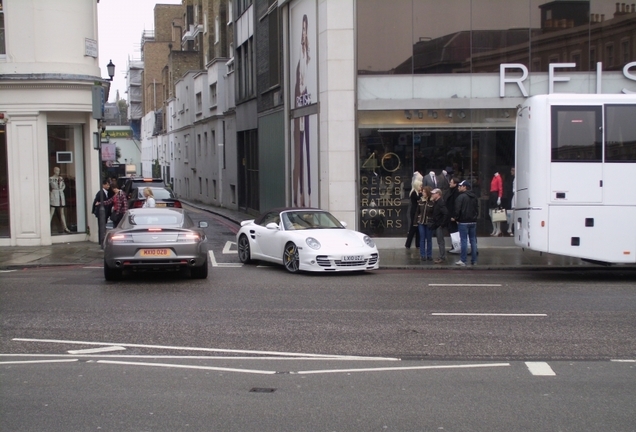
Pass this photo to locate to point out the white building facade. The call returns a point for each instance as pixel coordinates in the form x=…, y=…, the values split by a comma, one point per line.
x=49, y=169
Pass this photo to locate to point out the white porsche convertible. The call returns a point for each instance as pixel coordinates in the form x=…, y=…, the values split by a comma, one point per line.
x=305, y=239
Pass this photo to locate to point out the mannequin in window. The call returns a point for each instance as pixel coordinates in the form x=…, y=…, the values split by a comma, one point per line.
x=430, y=180
x=494, y=201
x=57, y=200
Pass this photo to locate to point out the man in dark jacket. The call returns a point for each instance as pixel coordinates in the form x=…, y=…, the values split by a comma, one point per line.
x=466, y=213
x=440, y=220
x=101, y=196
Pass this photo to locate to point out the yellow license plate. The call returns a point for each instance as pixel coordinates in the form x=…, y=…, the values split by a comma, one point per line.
x=156, y=252
x=160, y=204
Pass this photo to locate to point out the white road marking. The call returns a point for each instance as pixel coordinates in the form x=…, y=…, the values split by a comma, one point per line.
x=490, y=314
x=94, y=267
x=39, y=361
x=97, y=350
x=157, y=357
x=624, y=361
x=465, y=285
x=540, y=369
x=216, y=264
x=181, y=348
x=227, y=248
x=212, y=259
x=324, y=371
x=6, y=271
x=165, y=365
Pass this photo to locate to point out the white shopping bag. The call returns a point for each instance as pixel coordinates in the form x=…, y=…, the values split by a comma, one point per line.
x=455, y=241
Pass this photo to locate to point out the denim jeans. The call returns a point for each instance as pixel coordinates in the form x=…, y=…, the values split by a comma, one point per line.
x=426, y=241
x=468, y=231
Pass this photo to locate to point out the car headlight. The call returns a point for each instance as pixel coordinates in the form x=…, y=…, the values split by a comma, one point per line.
x=313, y=243
x=369, y=241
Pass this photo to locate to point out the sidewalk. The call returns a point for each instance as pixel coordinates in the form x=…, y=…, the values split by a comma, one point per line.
x=494, y=253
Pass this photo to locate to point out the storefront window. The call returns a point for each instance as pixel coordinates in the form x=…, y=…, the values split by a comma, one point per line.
x=66, y=180
x=443, y=141
x=5, y=228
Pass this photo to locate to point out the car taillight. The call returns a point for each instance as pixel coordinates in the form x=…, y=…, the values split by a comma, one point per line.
x=138, y=204
x=189, y=237
x=177, y=204
x=121, y=238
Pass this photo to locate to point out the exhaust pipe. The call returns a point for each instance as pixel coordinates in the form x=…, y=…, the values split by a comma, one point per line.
x=118, y=263
x=193, y=262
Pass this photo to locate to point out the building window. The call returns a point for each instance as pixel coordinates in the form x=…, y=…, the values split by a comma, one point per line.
x=213, y=142
x=205, y=143
x=199, y=103
x=609, y=54
x=274, y=50
x=3, y=49
x=244, y=56
x=625, y=51
x=243, y=5
x=214, y=188
x=213, y=96
x=199, y=145
x=200, y=186
x=592, y=58
x=217, y=25
x=185, y=149
x=576, y=59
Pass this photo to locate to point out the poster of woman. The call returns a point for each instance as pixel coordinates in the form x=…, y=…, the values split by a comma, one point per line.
x=304, y=152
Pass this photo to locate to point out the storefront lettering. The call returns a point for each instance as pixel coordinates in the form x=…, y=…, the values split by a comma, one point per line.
x=381, y=202
x=552, y=78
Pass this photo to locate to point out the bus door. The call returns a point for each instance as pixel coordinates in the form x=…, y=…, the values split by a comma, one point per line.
x=576, y=169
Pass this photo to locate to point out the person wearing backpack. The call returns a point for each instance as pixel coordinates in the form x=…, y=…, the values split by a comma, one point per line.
x=466, y=214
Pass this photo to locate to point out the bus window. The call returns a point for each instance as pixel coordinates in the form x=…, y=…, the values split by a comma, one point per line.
x=576, y=134
x=620, y=133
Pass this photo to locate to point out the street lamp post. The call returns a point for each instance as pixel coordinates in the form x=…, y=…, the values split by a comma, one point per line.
x=101, y=212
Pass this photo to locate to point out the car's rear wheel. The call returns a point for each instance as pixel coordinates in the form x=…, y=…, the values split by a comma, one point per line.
x=244, y=252
x=111, y=274
x=291, y=258
x=200, y=272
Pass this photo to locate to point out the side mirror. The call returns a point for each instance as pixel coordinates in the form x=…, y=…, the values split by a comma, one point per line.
x=272, y=226
x=203, y=224
x=344, y=224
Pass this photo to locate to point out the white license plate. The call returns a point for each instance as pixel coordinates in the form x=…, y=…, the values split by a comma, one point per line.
x=350, y=258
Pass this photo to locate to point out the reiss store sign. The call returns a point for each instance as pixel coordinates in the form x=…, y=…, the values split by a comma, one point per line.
x=509, y=68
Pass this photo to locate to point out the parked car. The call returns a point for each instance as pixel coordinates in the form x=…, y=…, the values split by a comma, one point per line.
x=156, y=239
x=133, y=183
x=305, y=239
x=164, y=197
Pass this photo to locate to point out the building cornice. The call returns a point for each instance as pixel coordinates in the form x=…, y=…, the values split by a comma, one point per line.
x=49, y=81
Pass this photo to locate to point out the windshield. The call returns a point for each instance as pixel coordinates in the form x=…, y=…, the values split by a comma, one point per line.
x=154, y=219
x=301, y=220
x=158, y=193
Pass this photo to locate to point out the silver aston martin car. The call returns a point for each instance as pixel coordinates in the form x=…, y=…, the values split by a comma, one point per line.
x=156, y=239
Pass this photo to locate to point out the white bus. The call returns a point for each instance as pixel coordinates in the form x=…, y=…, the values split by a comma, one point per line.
x=575, y=187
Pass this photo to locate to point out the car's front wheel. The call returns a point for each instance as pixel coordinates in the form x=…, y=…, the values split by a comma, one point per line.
x=244, y=252
x=291, y=258
x=111, y=274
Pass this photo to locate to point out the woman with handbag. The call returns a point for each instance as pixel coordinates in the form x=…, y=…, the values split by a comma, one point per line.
x=424, y=217
x=494, y=204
